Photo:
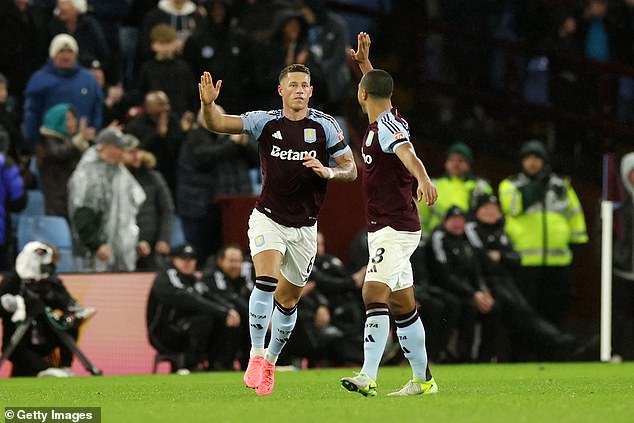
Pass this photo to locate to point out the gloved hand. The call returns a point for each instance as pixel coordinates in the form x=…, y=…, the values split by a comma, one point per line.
x=14, y=304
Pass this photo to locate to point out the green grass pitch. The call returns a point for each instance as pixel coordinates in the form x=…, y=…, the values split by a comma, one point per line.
x=535, y=393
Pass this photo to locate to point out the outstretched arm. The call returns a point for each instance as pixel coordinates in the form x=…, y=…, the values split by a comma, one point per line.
x=362, y=55
x=426, y=188
x=346, y=169
x=215, y=120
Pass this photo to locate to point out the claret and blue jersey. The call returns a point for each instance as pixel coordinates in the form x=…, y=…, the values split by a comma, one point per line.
x=291, y=193
x=387, y=184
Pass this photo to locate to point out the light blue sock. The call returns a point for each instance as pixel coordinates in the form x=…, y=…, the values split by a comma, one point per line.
x=282, y=325
x=260, y=309
x=377, y=329
x=411, y=336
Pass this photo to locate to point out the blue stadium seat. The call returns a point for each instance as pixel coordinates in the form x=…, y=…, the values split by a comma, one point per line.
x=178, y=235
x=35, y=203
x=52, y=230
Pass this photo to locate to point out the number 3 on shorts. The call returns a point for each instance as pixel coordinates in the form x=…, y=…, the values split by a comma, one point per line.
x=378, y=256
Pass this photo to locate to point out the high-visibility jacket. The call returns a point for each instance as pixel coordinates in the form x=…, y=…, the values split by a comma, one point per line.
x=542, y=234
x=452, y=191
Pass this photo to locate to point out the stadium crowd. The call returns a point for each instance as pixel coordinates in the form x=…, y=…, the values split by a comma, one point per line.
x=99, y=111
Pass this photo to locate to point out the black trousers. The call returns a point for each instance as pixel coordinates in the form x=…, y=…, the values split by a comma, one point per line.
x=189, y=335
x=623, y=318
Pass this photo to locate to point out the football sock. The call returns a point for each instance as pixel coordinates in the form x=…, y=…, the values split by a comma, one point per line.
x=260, y=309
x=282, y=325
x=411, y=336
x=377, y=329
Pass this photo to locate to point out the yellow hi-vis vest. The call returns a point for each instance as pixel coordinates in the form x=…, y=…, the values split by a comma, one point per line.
x=452, y=191
x=543, y=232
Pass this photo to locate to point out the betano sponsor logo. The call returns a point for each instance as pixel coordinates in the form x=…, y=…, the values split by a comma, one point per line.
x=291, y=154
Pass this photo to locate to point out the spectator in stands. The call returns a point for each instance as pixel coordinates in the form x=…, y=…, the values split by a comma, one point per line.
x=12, y=199
x=25, y=41
x=455, y=268
x=225, y=51
x=24, y=293
x=623, y=288
x=209, y=166
x=104, y=200
x=287, y=46
x=343, y=318
x=256, y=17
x=65, y=139
x=327, y=42
x=168, y=73
x=9, y=122
x=109, y=15
x=180, y=318
x=181, y=15
x=543, y=219
x=457, y=187
x=157, y=212
x=229, y=278
x=438, y=309
x=71, y=18
x=61, y=80
x=160, y=133
x=530, y=333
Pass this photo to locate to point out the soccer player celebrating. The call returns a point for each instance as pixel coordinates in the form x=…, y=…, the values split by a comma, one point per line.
x=389, y=172
x=296, y=144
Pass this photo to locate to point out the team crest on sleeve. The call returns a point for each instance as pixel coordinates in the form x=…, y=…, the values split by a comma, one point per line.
x=368, y=140
x=340, y=136
x=310, y=135
x=259, y=240
x=399, y=136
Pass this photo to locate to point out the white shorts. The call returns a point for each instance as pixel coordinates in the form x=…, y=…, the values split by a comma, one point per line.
x=390, y=251
x=297, y=245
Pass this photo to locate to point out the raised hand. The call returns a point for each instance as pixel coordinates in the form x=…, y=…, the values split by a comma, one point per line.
x=207, y=90
x=362, y=55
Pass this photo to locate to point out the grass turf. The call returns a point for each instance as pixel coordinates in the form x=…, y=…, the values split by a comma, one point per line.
x=575, y=393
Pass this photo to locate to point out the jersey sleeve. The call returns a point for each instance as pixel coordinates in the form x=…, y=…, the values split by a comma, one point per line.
x=253, y=122
x=391, y=135
x=334, y=138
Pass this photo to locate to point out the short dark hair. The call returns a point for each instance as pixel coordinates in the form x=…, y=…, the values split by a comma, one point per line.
x=223, y=250
x=378, y=83
x=295, y=67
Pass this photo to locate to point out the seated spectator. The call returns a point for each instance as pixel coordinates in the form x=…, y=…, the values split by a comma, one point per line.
x=209, y=166
x=180, y=318
x=230, y=278
x=104, y=200
x=168, y=73
x=340, y=315
x=65, y=139
x=455, y=268
x=160, y=133
x=157, y=211
x=70, y=18
x=532, y=335
x=26, y=293
x=61, y=80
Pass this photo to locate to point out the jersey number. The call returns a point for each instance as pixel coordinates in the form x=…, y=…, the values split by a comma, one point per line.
x=378, y=256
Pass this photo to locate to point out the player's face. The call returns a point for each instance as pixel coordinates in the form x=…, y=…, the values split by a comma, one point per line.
x=532, y=164
x=456, y=165
x=489, y=213
x=295, y=90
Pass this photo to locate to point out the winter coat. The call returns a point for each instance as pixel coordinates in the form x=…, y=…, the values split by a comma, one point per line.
x=50, y=86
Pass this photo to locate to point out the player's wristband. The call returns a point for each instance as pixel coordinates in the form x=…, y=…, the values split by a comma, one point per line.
x=331, y=173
